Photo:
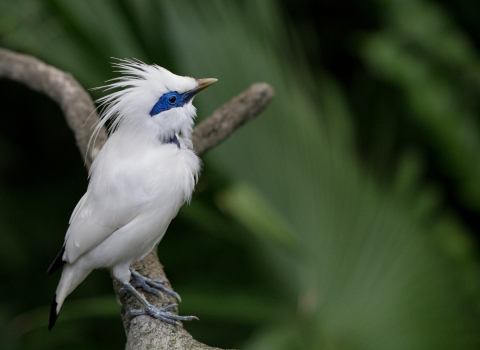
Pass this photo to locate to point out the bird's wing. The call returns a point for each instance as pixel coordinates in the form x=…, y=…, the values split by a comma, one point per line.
x=77, y=208
x=94, y=219
x=82, y=236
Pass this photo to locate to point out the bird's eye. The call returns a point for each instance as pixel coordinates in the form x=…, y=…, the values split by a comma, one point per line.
x=172, y=99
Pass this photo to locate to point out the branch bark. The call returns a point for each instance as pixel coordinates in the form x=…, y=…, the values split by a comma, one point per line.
x=75, y=102
x=143, y=332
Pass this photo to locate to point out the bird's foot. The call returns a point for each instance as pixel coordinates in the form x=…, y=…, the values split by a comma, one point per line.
x=152, y=286
x=162, y=314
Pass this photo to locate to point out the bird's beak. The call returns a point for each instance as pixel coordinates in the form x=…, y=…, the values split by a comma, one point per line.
x=204, y=83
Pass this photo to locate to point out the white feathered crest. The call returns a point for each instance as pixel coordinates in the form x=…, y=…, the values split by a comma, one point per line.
x=140, y=86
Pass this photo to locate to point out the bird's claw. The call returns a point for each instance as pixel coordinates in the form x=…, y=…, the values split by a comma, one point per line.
x=162, y=314
x=153, y=286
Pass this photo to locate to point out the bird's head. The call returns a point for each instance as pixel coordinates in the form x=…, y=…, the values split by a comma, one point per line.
x=151, y=98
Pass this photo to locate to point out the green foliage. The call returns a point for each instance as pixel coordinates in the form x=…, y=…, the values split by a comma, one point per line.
x=295, y=239
x=437, y=69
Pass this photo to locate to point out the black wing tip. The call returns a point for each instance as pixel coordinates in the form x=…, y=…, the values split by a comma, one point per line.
x=57, y=263
x=53, y=314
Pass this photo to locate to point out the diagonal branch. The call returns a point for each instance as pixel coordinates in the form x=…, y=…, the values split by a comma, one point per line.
x=143, y=332
x=75, y=102
x=230, y=116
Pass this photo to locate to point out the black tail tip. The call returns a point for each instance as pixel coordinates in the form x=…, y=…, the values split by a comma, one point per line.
x=53, y=314
x=58, y=262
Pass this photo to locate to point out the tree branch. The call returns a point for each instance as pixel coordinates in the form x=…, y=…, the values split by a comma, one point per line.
x=230, y=116
x=143, y=332
x=75, y=102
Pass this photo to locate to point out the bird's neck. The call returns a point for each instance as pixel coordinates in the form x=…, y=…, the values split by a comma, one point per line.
x=173, y=140
x=148, y=137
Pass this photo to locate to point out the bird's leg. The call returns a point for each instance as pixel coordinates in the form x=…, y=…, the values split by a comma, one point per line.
x=149, y=285
x=155, y=312
x=152, y=285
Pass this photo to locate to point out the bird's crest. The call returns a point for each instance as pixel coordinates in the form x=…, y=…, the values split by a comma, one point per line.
x=137, y=91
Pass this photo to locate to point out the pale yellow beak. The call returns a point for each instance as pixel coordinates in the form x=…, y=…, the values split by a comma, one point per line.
x=204, y=83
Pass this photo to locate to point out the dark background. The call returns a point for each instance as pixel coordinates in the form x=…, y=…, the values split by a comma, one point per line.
x=346, y=217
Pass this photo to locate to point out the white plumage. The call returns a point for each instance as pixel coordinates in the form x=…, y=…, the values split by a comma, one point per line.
x=142, y=176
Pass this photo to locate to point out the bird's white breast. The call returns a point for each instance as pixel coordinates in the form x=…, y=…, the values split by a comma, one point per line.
x=138, y=171
x=136, y=189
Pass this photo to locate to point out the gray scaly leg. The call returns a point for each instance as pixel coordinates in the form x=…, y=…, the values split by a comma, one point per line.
x=156, y=312
x=152, y=286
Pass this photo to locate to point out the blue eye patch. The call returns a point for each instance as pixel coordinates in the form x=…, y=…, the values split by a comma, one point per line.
x=171, y=100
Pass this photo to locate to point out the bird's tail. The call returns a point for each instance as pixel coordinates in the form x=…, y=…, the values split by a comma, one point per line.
x=72, y=276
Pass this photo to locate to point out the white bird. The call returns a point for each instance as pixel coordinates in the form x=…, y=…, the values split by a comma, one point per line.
x=139, y=180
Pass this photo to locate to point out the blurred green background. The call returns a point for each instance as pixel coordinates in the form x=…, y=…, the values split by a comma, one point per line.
x=345, y=217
